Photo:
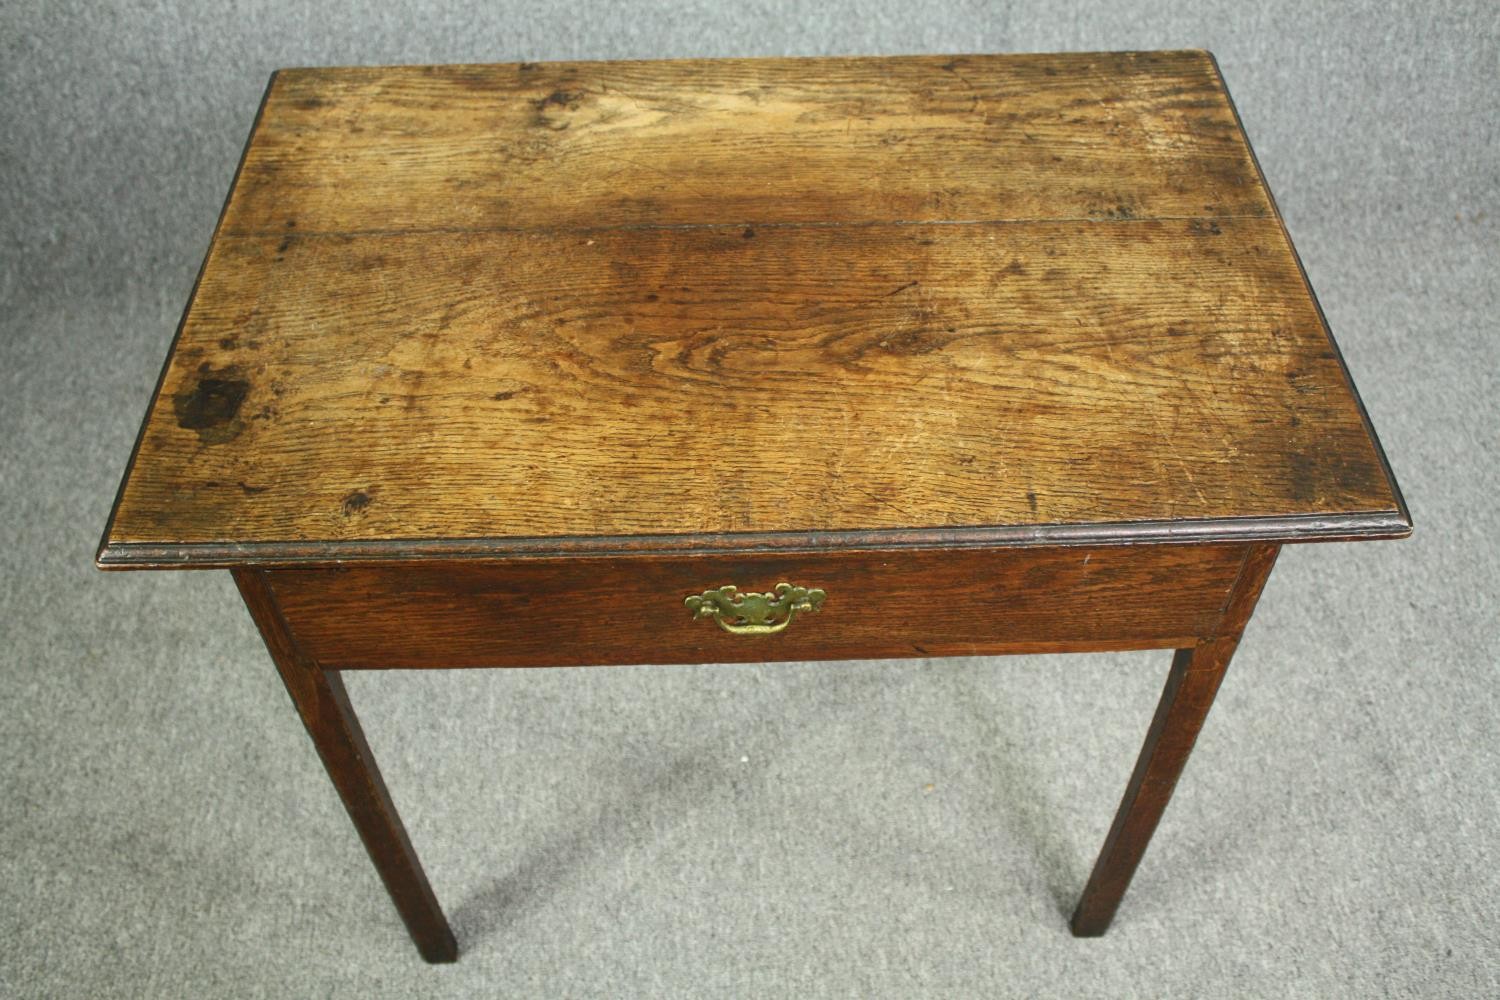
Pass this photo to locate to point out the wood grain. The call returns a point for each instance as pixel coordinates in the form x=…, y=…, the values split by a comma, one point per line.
x=630, y=610
x=826, y=141
x=747, y=300
x=661, y=381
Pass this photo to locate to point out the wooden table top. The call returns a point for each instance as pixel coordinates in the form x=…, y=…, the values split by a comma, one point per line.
x=747, y=305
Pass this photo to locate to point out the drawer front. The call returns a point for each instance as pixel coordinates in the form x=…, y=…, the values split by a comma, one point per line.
x=632, y=609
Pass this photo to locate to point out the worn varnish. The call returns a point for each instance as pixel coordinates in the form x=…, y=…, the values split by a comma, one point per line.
x=822, y=141
x=605, y=306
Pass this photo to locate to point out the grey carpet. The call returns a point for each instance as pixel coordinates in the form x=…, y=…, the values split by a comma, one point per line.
x=886, y=829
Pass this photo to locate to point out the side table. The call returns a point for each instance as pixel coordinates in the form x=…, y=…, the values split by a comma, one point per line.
x=748, y=360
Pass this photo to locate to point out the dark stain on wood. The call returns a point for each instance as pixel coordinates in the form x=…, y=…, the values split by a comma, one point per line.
x=1304, y=476
x=1302, y=382
x=547, y=109
x=356, y=502
x=212, y=406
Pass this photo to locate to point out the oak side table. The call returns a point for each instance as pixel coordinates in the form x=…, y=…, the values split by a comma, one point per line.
x=748, y=360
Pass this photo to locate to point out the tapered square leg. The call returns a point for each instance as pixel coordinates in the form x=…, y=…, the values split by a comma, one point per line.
x=1189, y=694
x=324, y=706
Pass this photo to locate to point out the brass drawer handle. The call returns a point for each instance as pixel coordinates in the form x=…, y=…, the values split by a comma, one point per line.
x=754, y=614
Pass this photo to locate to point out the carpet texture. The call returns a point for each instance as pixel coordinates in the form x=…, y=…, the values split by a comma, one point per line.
x=897, y=828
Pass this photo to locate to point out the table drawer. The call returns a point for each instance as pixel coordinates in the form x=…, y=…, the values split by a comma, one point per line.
x=619, y=610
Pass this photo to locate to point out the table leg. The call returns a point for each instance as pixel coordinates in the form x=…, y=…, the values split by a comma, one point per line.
x=1191, y=686
x=324, y=706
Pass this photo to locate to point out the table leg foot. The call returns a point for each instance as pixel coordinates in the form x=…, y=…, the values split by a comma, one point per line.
x=324, y=706
x=1191, y=686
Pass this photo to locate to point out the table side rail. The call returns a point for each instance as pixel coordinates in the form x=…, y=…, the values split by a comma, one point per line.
x=630, y=610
